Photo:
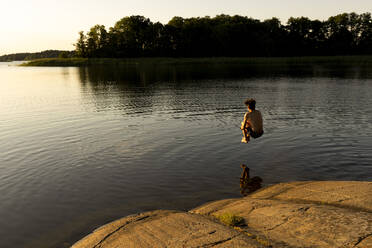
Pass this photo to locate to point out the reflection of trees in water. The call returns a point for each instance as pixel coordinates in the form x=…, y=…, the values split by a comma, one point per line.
x=143, y=87
x=149, y=72
x=117, y=87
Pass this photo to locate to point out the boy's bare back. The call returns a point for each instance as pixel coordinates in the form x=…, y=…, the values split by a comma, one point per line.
x=252, y=125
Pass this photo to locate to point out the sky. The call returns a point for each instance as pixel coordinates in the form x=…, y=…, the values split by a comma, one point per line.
x=36, y=25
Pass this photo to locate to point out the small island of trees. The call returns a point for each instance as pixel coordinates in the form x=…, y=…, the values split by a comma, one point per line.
x=38, y=55
x=229, y=36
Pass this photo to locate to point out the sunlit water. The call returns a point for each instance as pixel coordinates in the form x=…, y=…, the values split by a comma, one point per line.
x=81, y=147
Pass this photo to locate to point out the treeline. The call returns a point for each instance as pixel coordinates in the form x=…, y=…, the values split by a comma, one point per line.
x=38, y=55
x=231, y=36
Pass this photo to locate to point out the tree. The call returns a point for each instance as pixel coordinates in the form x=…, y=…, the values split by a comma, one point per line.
x=63, y=55
x=224, y=35
x=364, y=34
x=97, y=41
x=80, y=46
x=341, y=34
x=131, y=35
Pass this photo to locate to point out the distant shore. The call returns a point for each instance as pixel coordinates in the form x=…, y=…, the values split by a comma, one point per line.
x=79, y=62
x=296, y=214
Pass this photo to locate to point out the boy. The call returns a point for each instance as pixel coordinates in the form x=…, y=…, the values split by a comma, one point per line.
x=252, y=124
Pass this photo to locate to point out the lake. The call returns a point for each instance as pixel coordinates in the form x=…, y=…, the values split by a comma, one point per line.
x=83, y=146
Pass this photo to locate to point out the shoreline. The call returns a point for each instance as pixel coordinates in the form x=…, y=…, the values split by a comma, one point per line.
x=80, y=62
x=295, y=214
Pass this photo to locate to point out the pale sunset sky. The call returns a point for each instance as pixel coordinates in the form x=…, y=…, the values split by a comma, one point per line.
x=36, y=25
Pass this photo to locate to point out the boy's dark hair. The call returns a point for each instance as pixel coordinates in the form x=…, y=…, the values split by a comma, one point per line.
x=251, y=103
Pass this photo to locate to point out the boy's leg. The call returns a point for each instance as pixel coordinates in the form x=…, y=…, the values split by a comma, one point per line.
x=244, y=140
x=246, y=137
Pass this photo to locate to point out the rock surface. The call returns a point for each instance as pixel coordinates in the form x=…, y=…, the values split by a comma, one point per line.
x=298, y=214
x=166, y=229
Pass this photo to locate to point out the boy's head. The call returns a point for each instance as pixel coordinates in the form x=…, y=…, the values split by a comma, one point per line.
x=250, y=103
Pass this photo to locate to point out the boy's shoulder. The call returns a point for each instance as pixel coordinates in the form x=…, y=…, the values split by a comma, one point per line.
x=253, y=113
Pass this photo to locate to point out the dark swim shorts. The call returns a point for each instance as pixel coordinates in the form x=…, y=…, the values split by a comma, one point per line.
x=254, y=134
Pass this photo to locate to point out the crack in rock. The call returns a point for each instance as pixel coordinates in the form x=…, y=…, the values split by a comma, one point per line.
x=303, y=209
x=360, y=239
x=285, y=221
x=118, y=229
x=218, y=242
x=320, y=203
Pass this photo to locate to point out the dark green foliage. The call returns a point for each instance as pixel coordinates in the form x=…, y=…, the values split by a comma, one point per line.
x=57, y=62
x=81, y=46
x=229, y=36
x=230, y=219
x=272, y=62
x=63, y=55
x=39, y=55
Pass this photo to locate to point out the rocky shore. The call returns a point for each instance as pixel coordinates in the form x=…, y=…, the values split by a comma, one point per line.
x=296, y=214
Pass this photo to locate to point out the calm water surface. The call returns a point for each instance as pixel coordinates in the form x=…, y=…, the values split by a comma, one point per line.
x=83, y=146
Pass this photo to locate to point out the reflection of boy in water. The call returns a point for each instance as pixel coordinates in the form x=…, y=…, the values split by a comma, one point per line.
x=252, y=125
x=247, y=183
x=245, y=173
